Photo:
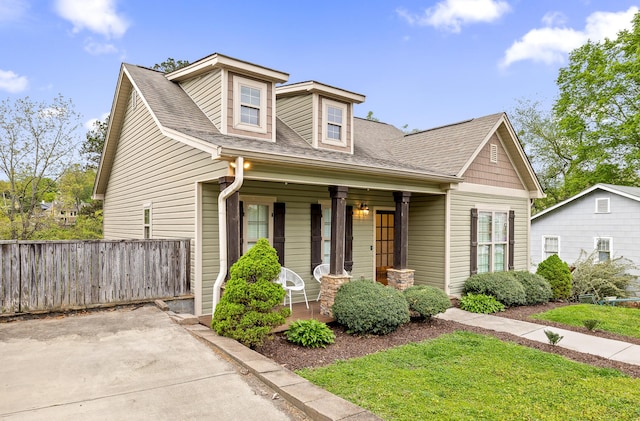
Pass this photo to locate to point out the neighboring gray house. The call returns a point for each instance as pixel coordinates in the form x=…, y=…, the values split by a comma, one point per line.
x=604, y=218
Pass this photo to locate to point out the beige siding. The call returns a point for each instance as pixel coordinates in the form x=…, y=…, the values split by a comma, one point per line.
x=206, y=92
x=151, y=168
x=498, y=174
x=461, y=204
x=427, y=240
x=296, y=112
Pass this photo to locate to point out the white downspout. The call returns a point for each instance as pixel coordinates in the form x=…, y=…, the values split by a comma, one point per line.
x=222, y=228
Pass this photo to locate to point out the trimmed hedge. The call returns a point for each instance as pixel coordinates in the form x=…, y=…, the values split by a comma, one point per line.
x=501, y=285
x=367, y=307
x=426, y=300
x=536, y=288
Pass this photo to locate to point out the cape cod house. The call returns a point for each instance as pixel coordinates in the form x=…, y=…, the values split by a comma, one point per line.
x=223, y=152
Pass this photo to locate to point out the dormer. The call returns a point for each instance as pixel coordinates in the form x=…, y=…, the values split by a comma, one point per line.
x=321, y=114
x=237, y=96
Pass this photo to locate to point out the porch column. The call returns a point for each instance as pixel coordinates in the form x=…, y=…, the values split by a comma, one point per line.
x=400, y=277
x=338, y=218
x=234, y=248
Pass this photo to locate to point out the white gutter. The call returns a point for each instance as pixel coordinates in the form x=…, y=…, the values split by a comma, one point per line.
x=222, y=228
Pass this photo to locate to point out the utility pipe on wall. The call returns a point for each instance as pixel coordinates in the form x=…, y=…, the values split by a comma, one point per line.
x=222, y=228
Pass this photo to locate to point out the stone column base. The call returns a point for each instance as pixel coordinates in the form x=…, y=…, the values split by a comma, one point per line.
x=328, y=288
x=400, y=279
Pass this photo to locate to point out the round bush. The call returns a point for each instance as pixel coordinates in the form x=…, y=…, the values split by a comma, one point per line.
x=558, y=274
x=366, y=307
x=501, y=285
x=426, y=300
x=537, y=289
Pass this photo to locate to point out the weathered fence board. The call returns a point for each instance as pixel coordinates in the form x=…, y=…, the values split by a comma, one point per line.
x=57, y=275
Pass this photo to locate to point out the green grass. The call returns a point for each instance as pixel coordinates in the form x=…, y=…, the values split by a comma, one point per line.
x=465, y=376
x=621, y=320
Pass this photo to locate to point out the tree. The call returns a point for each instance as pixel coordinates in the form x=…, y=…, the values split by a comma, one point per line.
x=93, y=145
x=170, y=65
x=36, y=143
x=76, y=186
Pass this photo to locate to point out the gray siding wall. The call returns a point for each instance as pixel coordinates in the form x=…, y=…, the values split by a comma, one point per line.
x=461, y=204
x=151, y=168
x=577, y=224
x=297, y=112
x=206, y=92
x=427, y=240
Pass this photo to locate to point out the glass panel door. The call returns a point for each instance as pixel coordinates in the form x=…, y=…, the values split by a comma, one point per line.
x=384, y=244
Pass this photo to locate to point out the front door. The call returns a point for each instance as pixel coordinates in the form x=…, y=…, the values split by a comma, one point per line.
x=384, y=244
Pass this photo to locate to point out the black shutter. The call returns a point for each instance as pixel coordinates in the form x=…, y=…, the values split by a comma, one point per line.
x=348, y=239
x=316, y=235
x=474, y=241
x=512, y=241
x=278, y=230
x=241, y=205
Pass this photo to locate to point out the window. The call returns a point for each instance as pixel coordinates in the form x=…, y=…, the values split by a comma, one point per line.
x=492, y=241
x=494, y=154
x=602, y=205
x=256, y=223
x=326, y=233
x=334, y=127
x=550, y=246
x=603, y=247
x=250, y=105
x=146, y=221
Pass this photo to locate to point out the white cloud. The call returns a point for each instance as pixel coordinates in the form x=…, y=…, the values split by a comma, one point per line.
x=97, y=48
x=11, y=82
x=451, y=15
x=12, y=10
x=551, y=44
x=89, y=124
x=554, y=19
x=98, y=16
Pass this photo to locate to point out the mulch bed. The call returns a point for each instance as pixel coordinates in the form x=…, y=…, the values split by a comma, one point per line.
x=348, y=346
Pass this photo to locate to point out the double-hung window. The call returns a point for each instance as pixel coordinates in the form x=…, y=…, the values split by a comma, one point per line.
x=146, y=221
x=334, y=129
x=550, y=246
x=250, y=105
x=492, y=241
x=603, y=247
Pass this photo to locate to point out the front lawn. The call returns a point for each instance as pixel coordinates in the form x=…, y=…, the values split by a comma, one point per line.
x=466, y=376
x=621, y=320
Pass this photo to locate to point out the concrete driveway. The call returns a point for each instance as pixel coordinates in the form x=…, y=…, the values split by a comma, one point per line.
x=131, y=363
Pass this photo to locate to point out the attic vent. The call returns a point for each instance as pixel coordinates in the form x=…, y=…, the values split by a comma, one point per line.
x=602, y=205
x=134, y=99
x=494, y=153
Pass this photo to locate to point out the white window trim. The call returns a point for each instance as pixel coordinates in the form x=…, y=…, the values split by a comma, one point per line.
x=257, y=200
x=595, y=247
x=324, y=205
x=493, y=154
x=239, y=81
x=326, y=103
x=607, y=200
x=493, y=211
x=544, y=252
x=145, y=207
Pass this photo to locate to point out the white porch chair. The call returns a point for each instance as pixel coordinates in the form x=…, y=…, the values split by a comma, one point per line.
x=320, y=271
x=291, y=281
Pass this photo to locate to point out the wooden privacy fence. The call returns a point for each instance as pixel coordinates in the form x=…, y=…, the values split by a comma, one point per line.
x=57, y=275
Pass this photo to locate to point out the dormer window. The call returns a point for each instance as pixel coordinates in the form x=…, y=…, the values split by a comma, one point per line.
x=250, y=105
x=334, y=127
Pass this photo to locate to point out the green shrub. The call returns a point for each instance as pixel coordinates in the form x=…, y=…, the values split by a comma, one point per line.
x=481, y=303
x=426, y=300
x=248, y=310
x=366, y=307
x=553, y=337
x=536, y=288
x=501, y=285
x=310, y=333
x=558, y=274
x=591, y=324
x=605, y=279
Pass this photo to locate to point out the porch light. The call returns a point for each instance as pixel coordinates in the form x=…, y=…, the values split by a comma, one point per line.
x=363, y=208
x=246, y=165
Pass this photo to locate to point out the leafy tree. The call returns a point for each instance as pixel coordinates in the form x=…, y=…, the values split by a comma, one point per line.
x=36, y=144
x=76, y=186
x=170, y=65
x=371, y=117
x=93, y=145
x=557, y=272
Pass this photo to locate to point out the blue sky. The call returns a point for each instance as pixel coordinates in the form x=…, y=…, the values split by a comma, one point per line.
x=419, y=63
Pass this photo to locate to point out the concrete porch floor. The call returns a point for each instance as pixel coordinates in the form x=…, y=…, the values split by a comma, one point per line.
x=300, y=312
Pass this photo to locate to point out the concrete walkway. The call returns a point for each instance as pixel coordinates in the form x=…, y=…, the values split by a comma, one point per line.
x=607, y=348
x=130, y=363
